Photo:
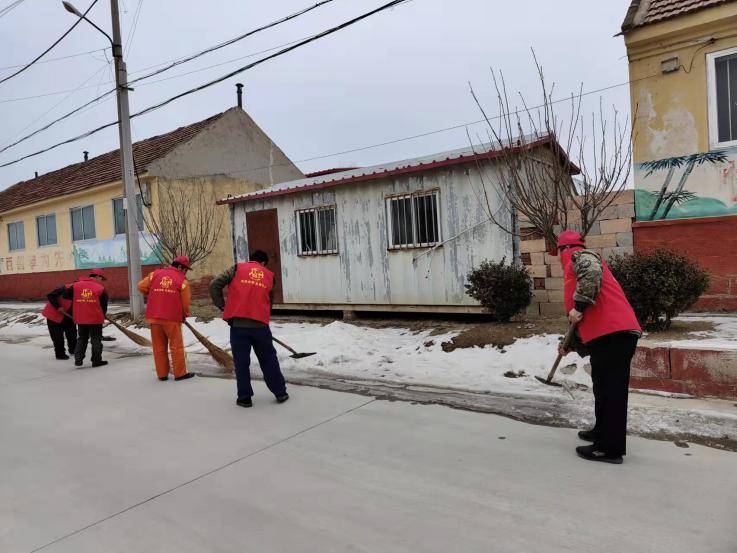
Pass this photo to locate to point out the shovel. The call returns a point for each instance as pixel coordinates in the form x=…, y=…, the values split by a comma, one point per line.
x=566, y=343
x=294, y=355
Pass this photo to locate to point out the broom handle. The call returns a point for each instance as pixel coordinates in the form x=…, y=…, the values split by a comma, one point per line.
x=566, y=343
x=278, y=341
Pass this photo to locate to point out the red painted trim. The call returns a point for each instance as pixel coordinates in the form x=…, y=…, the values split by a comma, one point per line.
x=408, y=169
x=689, y=221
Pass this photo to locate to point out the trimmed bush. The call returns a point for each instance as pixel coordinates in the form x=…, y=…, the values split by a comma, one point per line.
x=659, y=285
x=504, y=290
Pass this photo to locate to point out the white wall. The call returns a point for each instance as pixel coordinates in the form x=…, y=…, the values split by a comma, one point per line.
x=365, y=271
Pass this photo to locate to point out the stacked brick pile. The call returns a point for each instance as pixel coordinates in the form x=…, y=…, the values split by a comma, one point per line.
x=610, y=235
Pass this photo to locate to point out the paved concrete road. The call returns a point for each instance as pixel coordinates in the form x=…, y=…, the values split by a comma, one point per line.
x=111, y=460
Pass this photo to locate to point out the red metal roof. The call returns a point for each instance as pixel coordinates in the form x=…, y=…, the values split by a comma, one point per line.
x=446, y=159
x=646, y=12
x=103, y=169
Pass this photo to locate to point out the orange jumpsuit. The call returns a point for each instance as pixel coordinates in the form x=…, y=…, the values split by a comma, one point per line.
x=166, y=335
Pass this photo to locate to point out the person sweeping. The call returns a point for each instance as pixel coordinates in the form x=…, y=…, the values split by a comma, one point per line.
x=608, y=327
x=167, y=307
x=58, y=314
x=89, y=306
x=248, y=312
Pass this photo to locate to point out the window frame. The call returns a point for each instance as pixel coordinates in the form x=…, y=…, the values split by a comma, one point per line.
x=712, y=107
x=71, y=222
x=45, y=216
x=20, y=222
x=434, y=192
x=314, y=210
x=139, y=204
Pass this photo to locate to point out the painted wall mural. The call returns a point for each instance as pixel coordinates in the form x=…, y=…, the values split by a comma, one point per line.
x=84, y=255
x=696, y=185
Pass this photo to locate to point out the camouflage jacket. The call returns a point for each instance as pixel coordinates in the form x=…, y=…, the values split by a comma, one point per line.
x=589, y=270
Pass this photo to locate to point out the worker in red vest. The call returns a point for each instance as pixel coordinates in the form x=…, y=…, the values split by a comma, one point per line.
x=608, y=328
x=89, y=306
x=248, y=312
x=58, y=313
x=168, y=305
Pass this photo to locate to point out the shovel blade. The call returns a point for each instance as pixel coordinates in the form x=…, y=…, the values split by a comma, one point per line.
x=549, y=382
x=301, y=355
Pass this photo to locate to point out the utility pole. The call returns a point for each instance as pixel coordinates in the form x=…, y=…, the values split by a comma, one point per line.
x=126, y=155
x=130, y=205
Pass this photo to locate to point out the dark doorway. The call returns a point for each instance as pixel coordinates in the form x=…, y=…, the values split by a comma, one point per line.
x=262, y=229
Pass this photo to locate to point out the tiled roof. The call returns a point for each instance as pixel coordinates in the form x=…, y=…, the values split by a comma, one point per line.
x=407, y=166
x=645, y=12
x=96, y=171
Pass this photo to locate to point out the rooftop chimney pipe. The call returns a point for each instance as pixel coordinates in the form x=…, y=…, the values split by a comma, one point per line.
x=239, y=92
x=36, y=175
x=86, y=155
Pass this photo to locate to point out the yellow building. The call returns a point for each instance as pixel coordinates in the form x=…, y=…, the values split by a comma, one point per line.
x=683, y=82
x=60, y=224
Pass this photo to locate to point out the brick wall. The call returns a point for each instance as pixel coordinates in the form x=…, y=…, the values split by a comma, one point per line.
x=709, y=241
x=35, y=286
x=610, y=235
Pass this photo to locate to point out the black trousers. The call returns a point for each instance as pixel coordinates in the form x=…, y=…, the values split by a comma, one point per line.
x=92, y=333
x=611, y=356
x=58, y=331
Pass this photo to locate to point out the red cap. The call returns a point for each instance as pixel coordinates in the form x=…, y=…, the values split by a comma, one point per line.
x=569, y=238
x=182, y=260
x=99, y=273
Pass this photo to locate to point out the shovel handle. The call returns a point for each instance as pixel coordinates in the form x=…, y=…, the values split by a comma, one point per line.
x=566, y=342
x=282, y=344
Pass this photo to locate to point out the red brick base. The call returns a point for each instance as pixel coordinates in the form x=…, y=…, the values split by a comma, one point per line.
x=35, y=286
x=698, y=372
x=709, y=241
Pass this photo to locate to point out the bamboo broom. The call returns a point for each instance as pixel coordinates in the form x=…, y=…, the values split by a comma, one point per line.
x=221, y=356
x=137, y=338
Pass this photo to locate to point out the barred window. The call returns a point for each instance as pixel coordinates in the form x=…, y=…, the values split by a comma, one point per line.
x=317, y=231
x=414, y=220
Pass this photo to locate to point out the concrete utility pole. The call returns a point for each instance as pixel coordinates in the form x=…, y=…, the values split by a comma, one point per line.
x=126, y=155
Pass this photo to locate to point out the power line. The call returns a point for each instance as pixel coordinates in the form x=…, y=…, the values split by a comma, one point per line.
x=10, y=7
x=42, y=54
x=149, y=109
x=57, y=59
x=176, y=63
x=132, y=32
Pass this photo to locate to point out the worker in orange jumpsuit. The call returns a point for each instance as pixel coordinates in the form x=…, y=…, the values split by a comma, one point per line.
x=167, y=307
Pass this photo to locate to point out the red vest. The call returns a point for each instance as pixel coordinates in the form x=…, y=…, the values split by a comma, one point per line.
x=248, y=293
x=52, y=313
x=165, y=295
x=87, y=309
x=611, y=312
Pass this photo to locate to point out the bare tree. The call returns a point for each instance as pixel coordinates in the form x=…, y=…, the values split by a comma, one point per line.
x=540, y=153
x=185, y=221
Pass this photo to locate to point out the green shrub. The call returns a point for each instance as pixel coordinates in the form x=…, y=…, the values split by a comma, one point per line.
x=659, y=285
x=504, y=290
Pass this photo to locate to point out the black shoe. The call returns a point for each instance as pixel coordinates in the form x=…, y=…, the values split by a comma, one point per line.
x=108, y=338
x=99, y=363
x=184, y=377
x=163, y=378
x=590, y=454
x=587, y=435
x=244, y=402
x=282, y=399
x=62, y=357
x=78, y=362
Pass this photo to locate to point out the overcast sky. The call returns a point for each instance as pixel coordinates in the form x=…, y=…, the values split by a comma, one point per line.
x=400, y=73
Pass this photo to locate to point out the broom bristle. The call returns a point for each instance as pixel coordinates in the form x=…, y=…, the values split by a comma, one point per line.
x=221, y=357
x=137, y=338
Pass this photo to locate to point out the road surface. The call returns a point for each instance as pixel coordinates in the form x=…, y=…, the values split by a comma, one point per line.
x=111, y=460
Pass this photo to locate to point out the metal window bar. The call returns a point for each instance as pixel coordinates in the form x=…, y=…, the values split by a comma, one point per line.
x=317, y=229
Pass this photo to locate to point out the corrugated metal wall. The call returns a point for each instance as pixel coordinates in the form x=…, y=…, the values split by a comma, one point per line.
x=365, y=271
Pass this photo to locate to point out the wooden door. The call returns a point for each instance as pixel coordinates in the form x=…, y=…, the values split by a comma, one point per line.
x=262, y=229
